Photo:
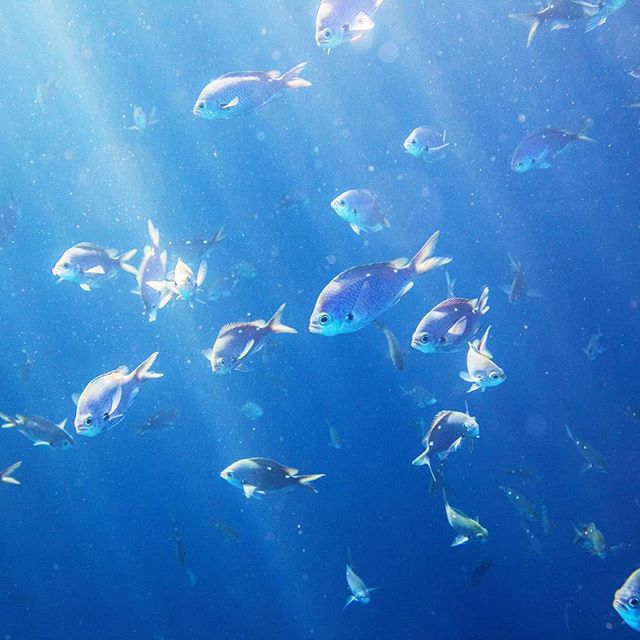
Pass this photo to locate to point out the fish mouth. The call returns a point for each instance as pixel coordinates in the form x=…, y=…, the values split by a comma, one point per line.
x=619, y=604
x=313, y=328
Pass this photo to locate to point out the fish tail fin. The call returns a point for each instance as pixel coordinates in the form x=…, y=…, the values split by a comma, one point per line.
x=350, y=599
x=275, y=323
x=143, y=372
x=154, y=234
x=534, y=21
x=423, y=459
x=483, y=301
x=424, y=260
x=123, y=261
x=304, y=481
x=580, y=134
x=291, y=80
x=8, y=421
x=5, y=474
x=218, y=237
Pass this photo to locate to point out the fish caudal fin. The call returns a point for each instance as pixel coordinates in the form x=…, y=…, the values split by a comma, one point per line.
x=533, y=19
x=143, y=372
x=580, y=134
x=5, y=474
x=123, y=262
x=483, y=302
x=7, y=421
x=219, y=237
x=275, y=323
x=154, y=234
x=304, y=481
x=291, y=80
x=424, y=260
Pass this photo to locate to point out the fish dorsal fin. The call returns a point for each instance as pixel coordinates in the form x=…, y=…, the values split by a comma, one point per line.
x=230, y=326
x=398, y=263
x=362, y=23
x=458, y=328
x=249, y=490
x=438, y=418
x=207, y=353
x=75, y=397
x=481, y=345
x=247, y=349
x=115, y=401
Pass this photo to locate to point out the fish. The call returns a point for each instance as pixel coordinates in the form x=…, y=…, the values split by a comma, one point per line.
x=88, y=265
x=241, y=92
x=521, y=504
x=593, y=459
x=237, y=341
x=39, y=430
x=260, y=476
x=481, y=371
x=450, y=285
x=197, y=249
x=142, y=121
x=594, y=348
x=445, y=435
x=226, y=529
x=158, y=421
x=518, y=289
x=450, y=324
x=341, y=21
x=598, y=11
x=466, y=528
x=243, y=270
x=45, y=91
x=9, y=214
x=252, y=410
x=395, y=350
x=335, y=438
x=361, y=209
x=359, y=590
x=422, y=397
x=181, y=556
x=590, y=538
x=181, y=284
x=6, y=474
x=560, y=14
x=25, y=366
x=427, y=143
x=153, y=268
x=358, y=296
x=481, y=570
x=626, y=600
x=539, y=149
x=293, y=202
x=103, y=403
x=631, y=412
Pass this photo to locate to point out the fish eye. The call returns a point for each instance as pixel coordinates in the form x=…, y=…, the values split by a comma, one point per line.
x=65, y=265
x=327, y=33
x=342, y=203
x=88, y=421
x=349, y=317
x=324, y=319
x=200, y=105
x=494, y=375
x=634, y=601
x=424, y=338
x=414, y=142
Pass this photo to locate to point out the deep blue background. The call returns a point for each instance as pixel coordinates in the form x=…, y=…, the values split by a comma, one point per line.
x=86, y=541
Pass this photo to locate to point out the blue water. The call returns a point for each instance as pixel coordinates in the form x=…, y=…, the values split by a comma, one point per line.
x=88, y=539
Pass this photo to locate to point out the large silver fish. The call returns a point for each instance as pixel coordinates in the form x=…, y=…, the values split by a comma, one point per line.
x=359, y=590
x=341, y=21
x=358, y=296
x=241, y=92
x=259, y=476
x=104, y=401
x=427, y=143
x=39, y=430
x=361, y=209
x=152, y=269
x=482, y=372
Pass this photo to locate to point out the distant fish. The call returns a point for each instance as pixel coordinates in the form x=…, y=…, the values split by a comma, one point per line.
x=539, y=149
x=598, y=11
x=45, y=91
x=626, y=600
x=450, y=285
x=593, y=458
x=226, y=529
x=238, y=93
x=105, y=400
x=518, y=291
x=422, y=397
x=451, y=324
x=9, y=214
x=466, y=528
x=25, y=366
x=361, y=209
x=591, y=539
x=293, y=202
x=520, y=503
x=153, y=268
x=159, y=421
x=594, y=348
x=358, y=296
x=197, y=249
x=335, y=438
x=342, y=21
x=252, y=410
x=260, y=476
x=395, y=350
x=6, y=474
x=480, y=571
x=142, y=121
x=181, y=556
x=359, y=590
x=181, y=284
x=426, y=143
x=39, y=430
x=237, y=341
x=89, y=265
x=560, y=14
x=482, y=372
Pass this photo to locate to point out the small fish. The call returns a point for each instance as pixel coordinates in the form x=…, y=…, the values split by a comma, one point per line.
x=521, y=504
x=181, y=284
x=39, y=430
x=181, y=556
x=197, y=249
x=104, y=401
x=260, y=476
x=46, y=90
x=466, y=528
x=534, y=541
x=238, y=93
x=481, y=371
x=632, y=412
x=594, y=347
x=342, y=21
x=538, y=149
x=142, y=121
x=426, y=143
x=450, y=324
x=523, y=473
x=395, y=350
x=593, y=458
x=518, y=289
x=236, y=341
x=626, y=600
x=361, y=209
x=450, y=285
x=25, y=366
x=445, y=435
x=226, y=530
x=598, y=11
x=422, y=397
x=545, y=521
x=293, y=202
x=9, y=214
x=160, y=420
x=335, y=439
x=252, y=410
x=560, y=14
x=590, y=538
x=481, y=570
x=358, y=296
x=88, y=265
x=6, y=474
x=153, y=268
x=359, y=590
x=243, y=270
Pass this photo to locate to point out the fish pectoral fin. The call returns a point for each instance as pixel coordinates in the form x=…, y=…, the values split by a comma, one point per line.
x=232, y=103
x=157, y=285
x=407, y=287
x=458, y=327
x=362, y=23
x=97, y=270
x=85, y=287
x=39, y=443
x=559, y=26
x=474, y=387
x=544, y=165
x=350, y=599
x=115, y=401
x=467, y=377
x=166, y=299
x=459, y=539
x=247, y=349
x=249, y=490
x=355, y=228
